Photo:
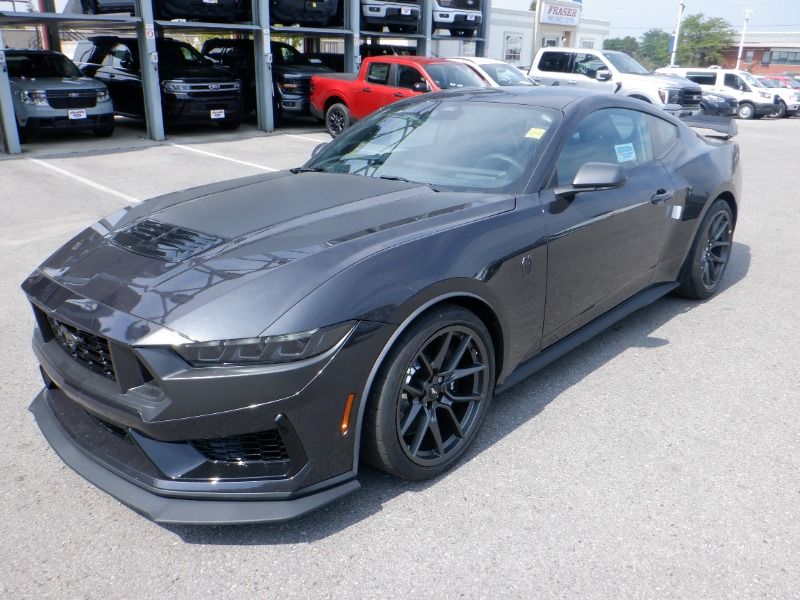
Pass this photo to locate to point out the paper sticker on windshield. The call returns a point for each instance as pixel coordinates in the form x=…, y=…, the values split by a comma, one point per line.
x=625, y=153
x=535, y=133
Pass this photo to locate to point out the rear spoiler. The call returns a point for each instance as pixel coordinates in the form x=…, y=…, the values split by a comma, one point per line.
x=723, y=127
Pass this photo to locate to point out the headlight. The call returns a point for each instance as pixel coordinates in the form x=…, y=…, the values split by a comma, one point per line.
x=264, y=350
x=102, y=95
x=176, y=86
x=37, y=97
x=669, y=96
x=288, y=86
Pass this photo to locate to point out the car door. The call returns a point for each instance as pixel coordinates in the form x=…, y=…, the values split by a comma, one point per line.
x=554, y=67
x=603, y=246
x=375, y=91
x=410, y=82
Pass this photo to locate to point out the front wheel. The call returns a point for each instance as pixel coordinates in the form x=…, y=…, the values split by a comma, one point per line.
x=337, y=119
x=781, y=110
x=711, y=250
x=746, y=110
x=104, y=131
x=431, y=395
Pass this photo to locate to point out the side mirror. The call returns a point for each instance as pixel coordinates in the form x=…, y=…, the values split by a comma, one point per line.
x=592, y=177
x=318, y=148
x=603, y=75
x=422, y=86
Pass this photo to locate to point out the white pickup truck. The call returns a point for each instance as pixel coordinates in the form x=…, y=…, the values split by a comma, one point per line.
x=615, y=72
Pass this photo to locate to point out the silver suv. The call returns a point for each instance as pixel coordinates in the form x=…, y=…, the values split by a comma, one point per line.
x=51, y=93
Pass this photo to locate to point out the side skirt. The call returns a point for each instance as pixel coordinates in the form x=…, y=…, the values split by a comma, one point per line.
x=585, y=333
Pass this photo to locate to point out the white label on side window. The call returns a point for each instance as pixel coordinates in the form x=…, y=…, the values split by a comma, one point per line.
x=625, y=153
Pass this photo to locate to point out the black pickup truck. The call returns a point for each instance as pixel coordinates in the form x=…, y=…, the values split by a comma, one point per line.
x=193, y=89
x=291, y=73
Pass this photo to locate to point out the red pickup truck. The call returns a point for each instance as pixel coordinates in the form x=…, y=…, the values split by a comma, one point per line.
x=341, y=98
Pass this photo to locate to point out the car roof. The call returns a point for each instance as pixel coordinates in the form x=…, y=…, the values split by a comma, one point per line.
x=547, y=96
x=479, y=60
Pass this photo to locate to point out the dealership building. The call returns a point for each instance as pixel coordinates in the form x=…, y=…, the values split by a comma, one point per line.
x=767, y=53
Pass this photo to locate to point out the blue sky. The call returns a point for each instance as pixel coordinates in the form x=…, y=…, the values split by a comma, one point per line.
x=629, y=17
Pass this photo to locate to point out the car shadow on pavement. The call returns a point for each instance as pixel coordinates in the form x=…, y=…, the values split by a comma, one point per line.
x=510, y=410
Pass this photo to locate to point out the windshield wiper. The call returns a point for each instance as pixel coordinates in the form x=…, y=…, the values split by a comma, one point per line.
x=398, y=178
x=297, y=170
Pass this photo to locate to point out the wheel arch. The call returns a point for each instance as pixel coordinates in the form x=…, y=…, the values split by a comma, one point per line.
x=468, y=300
x=330, y=101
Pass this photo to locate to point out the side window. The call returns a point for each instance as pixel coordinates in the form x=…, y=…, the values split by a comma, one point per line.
x=118, y=55
x=735, y=82
x=378, y=73
x=587, y=64
x=555, y=62
x=702, y=78
x=407, y=76
x=663, y=135
x=610, y=135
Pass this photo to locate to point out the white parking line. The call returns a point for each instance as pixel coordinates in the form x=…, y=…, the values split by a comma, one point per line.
x=303, y=137
x=83, y=180
x=221, y=157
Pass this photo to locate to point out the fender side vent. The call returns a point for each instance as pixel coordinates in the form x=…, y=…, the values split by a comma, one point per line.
x=163, y=241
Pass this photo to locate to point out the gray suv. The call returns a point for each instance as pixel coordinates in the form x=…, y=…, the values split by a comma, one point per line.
x=51, y=93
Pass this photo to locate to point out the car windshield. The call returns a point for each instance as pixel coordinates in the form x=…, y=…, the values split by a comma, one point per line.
x=770, y=84
x=32, y=65
x=506, y=74
x=180, y=54
x=286, y=55
x=445, y=143
x=751, y=80
x=450, y=75
x=624, y=63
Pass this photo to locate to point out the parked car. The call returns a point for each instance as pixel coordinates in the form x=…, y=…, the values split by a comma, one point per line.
x=785, y=81
x=335, y=60
x=214, y=11
x=291, y=73
x=314, y=13
x=790, y=97
x=615, y=72
x=342, y=98
x=495, y=72
x=755, y=101
x=461, y=18
x=231, y=353
x=50, y=93
x=398, y=16
x=192, y=88
x=719, y=104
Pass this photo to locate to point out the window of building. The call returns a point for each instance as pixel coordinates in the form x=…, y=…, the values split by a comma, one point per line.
x=786, y=57
x=587, y=43
x=748, y=56
x=512, y=47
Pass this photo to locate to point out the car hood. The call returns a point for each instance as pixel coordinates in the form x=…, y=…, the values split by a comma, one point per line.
x=241, y=253
x=58, y=83
x=200, y=72
x=672, y=81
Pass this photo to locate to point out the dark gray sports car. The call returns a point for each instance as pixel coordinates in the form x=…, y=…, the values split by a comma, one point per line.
x=232, y=352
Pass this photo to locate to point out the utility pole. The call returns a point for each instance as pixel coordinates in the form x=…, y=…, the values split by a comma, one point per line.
x=681, y=7
x=747, y=14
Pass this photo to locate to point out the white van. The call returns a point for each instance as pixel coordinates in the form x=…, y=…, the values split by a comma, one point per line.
x=755, y=101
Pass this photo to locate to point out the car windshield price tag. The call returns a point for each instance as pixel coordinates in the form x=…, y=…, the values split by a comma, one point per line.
x=218, y=114
x=405, y=11
x=76, y=114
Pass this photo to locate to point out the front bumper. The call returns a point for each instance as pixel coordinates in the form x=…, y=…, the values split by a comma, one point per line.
x=65, y=123
x=197, y=445
x=182, y=108
x=460, y=19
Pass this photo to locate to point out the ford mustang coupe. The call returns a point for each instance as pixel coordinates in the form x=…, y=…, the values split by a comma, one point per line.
x=233, y=352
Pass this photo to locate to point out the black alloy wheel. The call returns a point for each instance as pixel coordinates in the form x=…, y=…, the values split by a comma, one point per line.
x=710, y=253
x=432, y=395
x=337, y=119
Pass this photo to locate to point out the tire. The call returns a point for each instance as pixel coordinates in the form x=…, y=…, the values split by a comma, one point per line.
x=709, y=255
x=105, y=131
x=781, y=114
x=23, y=133
x=746, y=111
x=430, y=395
x=337, y=119
x=230, y=124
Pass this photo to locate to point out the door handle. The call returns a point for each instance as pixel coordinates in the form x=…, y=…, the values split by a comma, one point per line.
x=662, y=195
x=399, y=95
x=366, y=89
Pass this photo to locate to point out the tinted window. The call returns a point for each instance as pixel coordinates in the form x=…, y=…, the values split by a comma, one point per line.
x=733, y=81
x=40, y=65
x=179, y=54
x=378, y=73
x=287, y=55
x=555, y=62
x=624, y=63
x=407, y=76
x=613, y=135
x=453, y=75
x=702, y=78
x=663, y=135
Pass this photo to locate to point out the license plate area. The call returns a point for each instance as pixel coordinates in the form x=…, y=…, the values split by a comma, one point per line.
x=218, y=114
x=76, y=114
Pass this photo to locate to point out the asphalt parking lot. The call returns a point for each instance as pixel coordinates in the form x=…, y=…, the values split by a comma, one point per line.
x=659, y=460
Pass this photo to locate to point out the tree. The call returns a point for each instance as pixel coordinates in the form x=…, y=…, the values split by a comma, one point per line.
x=654, y=49
x=628, y=45
x=703, y=41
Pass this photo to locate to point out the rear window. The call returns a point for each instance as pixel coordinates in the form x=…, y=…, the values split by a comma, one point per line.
x=555, y=62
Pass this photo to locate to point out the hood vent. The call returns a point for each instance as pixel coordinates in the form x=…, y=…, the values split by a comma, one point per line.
x=163, y=241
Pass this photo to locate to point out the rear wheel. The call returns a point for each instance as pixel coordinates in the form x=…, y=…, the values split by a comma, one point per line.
x=711, y=250
x=781, y=110
x=431, y=395
x=746, y=110
x=337, y=119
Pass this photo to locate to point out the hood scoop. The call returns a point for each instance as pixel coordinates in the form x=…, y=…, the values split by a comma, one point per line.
x=163, y=241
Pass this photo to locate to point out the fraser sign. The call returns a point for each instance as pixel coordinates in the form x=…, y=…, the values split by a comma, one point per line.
x=560, y=14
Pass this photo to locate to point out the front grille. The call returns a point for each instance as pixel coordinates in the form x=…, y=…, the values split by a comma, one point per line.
x=264, y=446
x=164, y=241
x=690, y=97
x=89, y=349
x=67, y=99
x=116, y=430
x=214, y=88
